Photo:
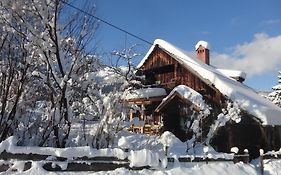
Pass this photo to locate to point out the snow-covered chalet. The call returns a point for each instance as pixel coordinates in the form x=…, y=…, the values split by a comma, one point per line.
x=180, y=87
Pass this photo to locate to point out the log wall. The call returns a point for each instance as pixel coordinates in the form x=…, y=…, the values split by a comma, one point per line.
x=163, y=70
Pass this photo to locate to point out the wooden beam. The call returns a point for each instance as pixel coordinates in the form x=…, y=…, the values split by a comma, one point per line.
x=144, y=100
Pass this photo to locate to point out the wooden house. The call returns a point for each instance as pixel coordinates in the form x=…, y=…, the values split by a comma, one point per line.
x=167, y=67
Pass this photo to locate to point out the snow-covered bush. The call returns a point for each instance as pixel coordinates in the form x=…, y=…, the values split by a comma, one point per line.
x=231, y=113
x=112, y=111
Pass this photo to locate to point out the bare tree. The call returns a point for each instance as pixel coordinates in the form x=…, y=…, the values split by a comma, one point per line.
x=13, y=75
x=57, y=39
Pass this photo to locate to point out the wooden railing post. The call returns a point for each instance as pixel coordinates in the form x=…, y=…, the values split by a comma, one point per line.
x=261, y=162
x=166, y=150
x=261, y=165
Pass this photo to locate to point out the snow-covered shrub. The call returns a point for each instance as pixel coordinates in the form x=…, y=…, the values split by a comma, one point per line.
x=231, y=113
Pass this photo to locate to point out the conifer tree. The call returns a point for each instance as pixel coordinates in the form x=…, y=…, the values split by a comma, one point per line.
x=275, y=95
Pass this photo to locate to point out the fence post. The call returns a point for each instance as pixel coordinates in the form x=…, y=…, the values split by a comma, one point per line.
x=261, y=162
x=246, y=156
x=166, y=150
x=206, y=150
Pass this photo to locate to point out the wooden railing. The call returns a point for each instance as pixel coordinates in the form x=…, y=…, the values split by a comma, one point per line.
x=146, y=129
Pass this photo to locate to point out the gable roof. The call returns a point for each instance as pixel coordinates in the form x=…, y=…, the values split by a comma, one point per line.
x=246, y=97
x=186, y=94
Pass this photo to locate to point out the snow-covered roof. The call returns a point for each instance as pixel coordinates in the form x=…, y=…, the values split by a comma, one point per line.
x=246, y=97
x=143, y=93
x=204, y=44
x=188, y=94
x=232, y=73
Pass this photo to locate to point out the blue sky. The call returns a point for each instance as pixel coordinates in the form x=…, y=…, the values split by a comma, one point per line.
x=243, y=34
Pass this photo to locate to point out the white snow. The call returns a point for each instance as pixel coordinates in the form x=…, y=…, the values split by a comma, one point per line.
x=204, y=44
x=233, y=73
x=143, y=93
x=143, y=157
x=245, y=97
x=19, y=166
x=203, y=151
x=261, y=151
x=277, y=87
x=106, y=74
x=272, y=167
x=234, y=150
x=189, y=94
x=124, y=143
x=168, y=139
x=206, y=149
x=10, y=146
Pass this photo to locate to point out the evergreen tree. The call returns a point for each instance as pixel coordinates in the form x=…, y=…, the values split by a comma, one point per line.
x=275, y=95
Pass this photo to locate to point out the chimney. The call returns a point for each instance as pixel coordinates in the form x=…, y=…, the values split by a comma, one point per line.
x=203, y=52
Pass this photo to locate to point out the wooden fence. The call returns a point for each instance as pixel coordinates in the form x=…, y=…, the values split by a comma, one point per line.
x=104, y=163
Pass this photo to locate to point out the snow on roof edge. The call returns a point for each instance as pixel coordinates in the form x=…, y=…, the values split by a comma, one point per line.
x=143, y=93
x=147, y=54
x=188, y=94
x=233, y=73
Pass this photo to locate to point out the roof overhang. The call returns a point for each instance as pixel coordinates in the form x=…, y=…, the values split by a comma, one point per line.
x=172, y=97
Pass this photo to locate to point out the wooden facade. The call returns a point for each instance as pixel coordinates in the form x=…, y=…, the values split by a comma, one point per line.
x=162, y=70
